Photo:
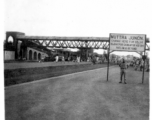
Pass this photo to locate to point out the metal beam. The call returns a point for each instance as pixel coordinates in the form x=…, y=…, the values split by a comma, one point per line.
x=70, y=42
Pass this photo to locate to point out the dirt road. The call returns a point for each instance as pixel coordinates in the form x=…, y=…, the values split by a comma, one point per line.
x=82, y=96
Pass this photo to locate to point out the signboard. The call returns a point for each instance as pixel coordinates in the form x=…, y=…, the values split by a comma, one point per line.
x=127, y=42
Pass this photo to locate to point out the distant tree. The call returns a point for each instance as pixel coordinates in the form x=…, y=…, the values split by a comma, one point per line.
x=144, y=57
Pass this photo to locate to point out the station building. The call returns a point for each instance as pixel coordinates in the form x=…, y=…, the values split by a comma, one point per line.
x=19, y=50
x=26, y=50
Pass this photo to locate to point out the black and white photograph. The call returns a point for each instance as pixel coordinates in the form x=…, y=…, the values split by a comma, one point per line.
x=76, y=59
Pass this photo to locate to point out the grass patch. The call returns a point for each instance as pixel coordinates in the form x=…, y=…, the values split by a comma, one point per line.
x=22, y=75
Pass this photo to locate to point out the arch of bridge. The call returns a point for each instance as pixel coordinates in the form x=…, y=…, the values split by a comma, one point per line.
x=30, y=54
x=39, y=56
x=33, y=54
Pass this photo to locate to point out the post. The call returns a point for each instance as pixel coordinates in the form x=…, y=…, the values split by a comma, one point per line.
x=143, y=69
x=144, y=62
x=108, y=64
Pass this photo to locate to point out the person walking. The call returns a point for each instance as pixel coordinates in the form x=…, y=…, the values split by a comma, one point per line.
x=137, y=64
x=56, y=58
x=123, y=71
x=141, y=65
x=63, y=60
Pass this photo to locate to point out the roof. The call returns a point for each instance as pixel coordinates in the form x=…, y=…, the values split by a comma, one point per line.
x=61, y=38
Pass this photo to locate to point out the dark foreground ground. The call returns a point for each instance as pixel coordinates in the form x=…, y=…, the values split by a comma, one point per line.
x=82, y=96
x=29, y=64
x=26, y=72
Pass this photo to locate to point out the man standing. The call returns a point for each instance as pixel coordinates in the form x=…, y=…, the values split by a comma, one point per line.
x=57, y=58
x=141, y=65
x=123, y=71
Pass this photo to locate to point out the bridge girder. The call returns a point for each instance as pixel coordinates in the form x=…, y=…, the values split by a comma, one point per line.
x=68, y=42
x=72, y=42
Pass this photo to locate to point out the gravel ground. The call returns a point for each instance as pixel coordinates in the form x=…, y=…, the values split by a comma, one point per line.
x=82, y=96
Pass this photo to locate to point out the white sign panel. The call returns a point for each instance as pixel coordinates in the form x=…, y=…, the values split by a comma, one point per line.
x=127, y=42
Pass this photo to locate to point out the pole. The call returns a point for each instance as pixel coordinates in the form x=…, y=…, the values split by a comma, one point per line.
x=144, y=63
x=143, y=69
x=108, y=65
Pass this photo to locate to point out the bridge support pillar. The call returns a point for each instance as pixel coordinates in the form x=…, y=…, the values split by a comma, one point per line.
x=14, y=45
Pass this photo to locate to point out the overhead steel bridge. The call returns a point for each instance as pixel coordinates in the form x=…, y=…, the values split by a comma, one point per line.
x=63, y=42
x=70, y=42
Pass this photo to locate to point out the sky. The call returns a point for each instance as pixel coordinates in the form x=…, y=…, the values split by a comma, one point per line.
x=88, y=18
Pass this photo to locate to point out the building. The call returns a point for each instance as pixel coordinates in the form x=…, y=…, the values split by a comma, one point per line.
x=22, y=50
x=17, y=48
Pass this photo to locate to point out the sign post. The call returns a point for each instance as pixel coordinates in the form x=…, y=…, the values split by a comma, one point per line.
x=144, y=57
x=129, y=43
x=108, y=52
x=143, y=69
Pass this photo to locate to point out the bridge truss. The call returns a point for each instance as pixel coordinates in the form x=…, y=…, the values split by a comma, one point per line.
x=70, y=42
